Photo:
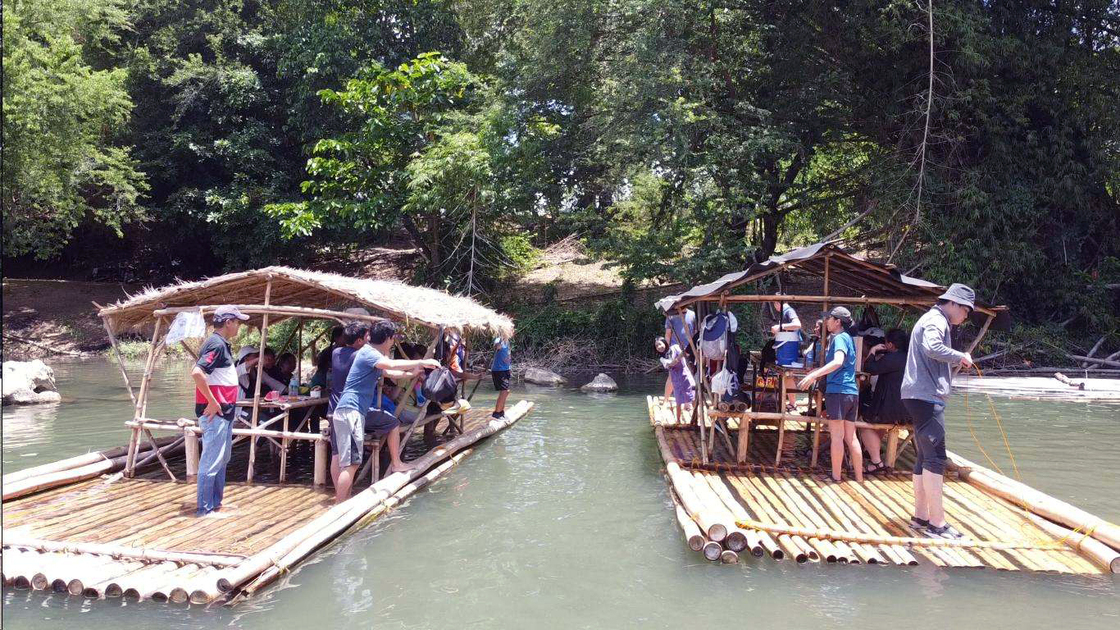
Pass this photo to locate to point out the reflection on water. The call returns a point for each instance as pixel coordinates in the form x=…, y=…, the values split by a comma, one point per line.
x=564, y=521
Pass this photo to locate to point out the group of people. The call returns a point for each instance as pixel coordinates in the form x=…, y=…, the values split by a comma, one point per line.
x=913, y=375
x=360, y=379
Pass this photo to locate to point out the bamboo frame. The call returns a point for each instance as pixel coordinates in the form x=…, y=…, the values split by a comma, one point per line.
x=260, y=374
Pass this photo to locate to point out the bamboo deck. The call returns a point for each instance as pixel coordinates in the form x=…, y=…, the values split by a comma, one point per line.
x=728, y=509
x=139, y=538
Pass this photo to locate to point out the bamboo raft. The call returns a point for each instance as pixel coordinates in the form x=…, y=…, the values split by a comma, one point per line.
x=74, y=526
x=728, y=509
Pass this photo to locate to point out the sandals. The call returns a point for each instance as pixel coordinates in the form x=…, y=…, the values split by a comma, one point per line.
x=918, y=524
x=876, y=468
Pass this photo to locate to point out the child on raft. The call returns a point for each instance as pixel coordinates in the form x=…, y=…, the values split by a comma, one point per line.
x=684, y=386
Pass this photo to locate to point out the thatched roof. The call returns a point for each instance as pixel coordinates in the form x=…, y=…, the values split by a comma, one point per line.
x=312, y=289
x=849, y=276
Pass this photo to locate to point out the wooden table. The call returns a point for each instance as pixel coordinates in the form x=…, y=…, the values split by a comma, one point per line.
x=284, y=405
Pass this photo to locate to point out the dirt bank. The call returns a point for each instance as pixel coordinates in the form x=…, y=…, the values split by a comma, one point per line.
x=45, y=318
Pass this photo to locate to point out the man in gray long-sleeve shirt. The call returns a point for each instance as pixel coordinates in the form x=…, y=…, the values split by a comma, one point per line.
x=926, y=384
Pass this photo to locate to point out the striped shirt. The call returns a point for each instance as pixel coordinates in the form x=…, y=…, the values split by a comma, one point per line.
x=215, y=358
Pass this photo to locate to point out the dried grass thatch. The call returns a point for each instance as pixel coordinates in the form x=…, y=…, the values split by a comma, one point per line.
x=312, y=289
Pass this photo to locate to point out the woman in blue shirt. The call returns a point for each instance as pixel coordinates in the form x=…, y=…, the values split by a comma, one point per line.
x=841, y=393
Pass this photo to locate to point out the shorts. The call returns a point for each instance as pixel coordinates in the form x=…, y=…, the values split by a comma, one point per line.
x=379, y=422
x=347, y=436
x=841, y=406
x=501, y=380
x=929, y=435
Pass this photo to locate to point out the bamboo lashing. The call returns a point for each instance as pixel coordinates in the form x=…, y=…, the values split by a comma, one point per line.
x=119, y=551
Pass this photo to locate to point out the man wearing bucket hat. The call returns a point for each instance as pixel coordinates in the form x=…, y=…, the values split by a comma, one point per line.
x=926, y=385
x=215, y=381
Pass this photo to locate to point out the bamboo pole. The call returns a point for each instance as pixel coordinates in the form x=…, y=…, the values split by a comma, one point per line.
x=753, y=541
x=1097, y=552
x=120, y=551
x=887, y=540
x=145, y=380
x=1037, y=502
x=691, y=530
x=120, y=361
x=315, y=542
x=73, y=462
x=712, y=550
x=260, y=373
x=339, y=518
x=683, y=484
x=46, y=481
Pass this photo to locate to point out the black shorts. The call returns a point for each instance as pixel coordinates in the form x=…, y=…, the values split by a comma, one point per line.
x=501, y=380
x=841, y=406
x=929, y=435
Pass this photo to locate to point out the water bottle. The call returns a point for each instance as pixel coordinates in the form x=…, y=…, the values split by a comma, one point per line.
x=293, y=385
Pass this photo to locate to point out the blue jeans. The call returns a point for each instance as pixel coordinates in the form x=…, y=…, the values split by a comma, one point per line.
x=217, y=444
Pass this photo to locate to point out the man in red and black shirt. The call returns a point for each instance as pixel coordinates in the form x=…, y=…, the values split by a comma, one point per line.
x=215, y=380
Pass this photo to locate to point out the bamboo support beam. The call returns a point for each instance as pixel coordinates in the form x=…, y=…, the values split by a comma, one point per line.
x=260, y=374
x=910, y=541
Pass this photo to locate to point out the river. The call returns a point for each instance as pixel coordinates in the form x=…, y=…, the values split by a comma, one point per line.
x=563, y=521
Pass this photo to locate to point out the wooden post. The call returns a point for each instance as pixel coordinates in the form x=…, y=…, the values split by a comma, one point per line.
x=120, y=360
x=260, y=375
x=322, y=455
x=976, y=340
x=827, y=308
x=299, y=353
x=191, y=446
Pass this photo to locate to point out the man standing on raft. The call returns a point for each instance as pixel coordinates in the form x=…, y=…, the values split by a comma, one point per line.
x=371, y=363
x=215, y=397
x=925, y=386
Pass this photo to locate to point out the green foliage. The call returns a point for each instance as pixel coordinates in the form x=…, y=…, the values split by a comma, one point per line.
x=613, y=327
x=63, y=161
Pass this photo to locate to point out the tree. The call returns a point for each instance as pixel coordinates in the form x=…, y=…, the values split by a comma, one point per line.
x=64, y=162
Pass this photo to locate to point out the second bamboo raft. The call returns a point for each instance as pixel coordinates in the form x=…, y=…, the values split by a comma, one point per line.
x=797, y=513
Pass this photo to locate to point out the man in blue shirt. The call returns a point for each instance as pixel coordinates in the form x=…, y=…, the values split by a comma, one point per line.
x=500, y=373
x=841, y=392
x=369, y=365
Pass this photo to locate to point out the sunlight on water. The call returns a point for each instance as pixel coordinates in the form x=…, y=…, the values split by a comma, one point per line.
x=563, y=521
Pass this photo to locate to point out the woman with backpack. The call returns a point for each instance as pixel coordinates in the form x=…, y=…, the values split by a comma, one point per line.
x=684, y=386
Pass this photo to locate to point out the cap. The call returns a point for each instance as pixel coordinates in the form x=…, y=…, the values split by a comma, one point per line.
x=961, y=294
x=226, y=313
x=841, y=314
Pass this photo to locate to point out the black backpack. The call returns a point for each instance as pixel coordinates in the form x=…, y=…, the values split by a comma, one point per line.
x=440, y=386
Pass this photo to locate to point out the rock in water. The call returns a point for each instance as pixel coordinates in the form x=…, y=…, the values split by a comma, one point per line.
x=601, y=383
x=29, y=383
x=539, y=376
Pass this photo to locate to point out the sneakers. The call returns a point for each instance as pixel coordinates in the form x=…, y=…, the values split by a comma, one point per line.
x=946, y=531
x=498, y=415
x=918, y=524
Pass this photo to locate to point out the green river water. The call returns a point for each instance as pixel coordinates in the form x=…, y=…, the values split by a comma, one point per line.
x=563, y=521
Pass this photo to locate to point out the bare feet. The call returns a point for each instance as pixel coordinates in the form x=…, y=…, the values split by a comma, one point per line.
x=402, y=468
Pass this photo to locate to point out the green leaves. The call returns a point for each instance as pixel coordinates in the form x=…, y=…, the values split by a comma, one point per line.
x=63, y=163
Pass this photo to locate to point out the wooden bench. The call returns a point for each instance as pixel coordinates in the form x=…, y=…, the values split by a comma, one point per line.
x=893, y=438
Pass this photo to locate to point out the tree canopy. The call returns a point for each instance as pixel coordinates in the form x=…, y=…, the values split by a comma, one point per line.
x=961, y=140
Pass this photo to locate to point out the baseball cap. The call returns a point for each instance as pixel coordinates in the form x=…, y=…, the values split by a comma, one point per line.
x=226, y=312
x=841, y=314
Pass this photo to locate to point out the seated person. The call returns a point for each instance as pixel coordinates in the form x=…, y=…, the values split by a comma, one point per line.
x=888, y=362
x=454, y=358
x=270, y=382
x=389, y=393
x=787, y=344
x=283, y=370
